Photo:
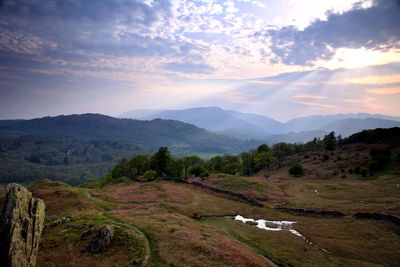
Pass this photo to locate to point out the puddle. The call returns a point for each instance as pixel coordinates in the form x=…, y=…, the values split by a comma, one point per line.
x=275, y=226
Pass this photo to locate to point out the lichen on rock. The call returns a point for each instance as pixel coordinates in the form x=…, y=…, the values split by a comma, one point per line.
x=21, y=224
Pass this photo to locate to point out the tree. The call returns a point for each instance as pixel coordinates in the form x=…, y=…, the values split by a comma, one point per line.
x=330, y=141
x=121, y=169
x=233, y=168
x=247, y=162
x=281, y=150
x=197, y=170
x=192, y=161
x=231, y=159
x=263, y=148
x=159, y=161
x=215, y=164
x=139, y=163
x=296, y=170
x=263, y=159
x=176, y=168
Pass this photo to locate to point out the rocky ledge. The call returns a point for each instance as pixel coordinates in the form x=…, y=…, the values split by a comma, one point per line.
x=21, y=224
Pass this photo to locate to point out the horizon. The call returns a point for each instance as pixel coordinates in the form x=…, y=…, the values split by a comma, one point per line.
x=204, y=107
x=280, y=59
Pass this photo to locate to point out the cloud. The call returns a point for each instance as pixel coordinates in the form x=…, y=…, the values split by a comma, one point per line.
x=307, y=96
x=237, y=97
x=384, y=91
x=106, y=26
x=374, y=28
x=325, y=106
x=384, y=79
x=187, y=67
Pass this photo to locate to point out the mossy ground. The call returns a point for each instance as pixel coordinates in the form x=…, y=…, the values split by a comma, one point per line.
x=154, y=222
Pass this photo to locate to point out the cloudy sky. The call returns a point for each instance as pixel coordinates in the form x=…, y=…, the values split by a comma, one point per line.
x=280, y=58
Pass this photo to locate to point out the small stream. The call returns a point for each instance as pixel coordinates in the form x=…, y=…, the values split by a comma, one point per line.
x=276, y=226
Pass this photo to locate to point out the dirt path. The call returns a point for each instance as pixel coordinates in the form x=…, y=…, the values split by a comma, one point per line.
x=130, y=226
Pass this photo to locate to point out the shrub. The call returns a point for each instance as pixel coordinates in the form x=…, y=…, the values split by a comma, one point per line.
x=197, y=170
x=204, y=174
x=380, y=159
x=326, y=157
x=363, y=172
x=150, y=174
x=357, y=170
x=296, y=170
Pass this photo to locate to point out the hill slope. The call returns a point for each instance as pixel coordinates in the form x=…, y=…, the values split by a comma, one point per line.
x=151, y=134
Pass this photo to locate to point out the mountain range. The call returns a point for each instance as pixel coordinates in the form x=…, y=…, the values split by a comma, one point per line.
x=253, y=126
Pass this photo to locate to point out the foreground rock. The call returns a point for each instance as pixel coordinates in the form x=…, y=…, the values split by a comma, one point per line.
x=21, y=224
x=102, y=241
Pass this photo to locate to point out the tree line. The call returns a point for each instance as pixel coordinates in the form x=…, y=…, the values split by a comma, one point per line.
x=246, y=163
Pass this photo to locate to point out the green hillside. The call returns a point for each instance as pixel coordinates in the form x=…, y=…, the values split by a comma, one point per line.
x=75, y=148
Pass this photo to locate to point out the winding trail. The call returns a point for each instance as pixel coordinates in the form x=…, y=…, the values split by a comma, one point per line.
x=114, y=221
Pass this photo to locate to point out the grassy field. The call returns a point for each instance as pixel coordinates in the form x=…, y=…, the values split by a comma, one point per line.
x=163, y=223
x=154, y=225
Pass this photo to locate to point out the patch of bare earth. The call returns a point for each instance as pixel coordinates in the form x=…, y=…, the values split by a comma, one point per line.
x=149, y=192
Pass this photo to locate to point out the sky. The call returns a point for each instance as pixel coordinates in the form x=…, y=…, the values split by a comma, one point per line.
x=278, y=58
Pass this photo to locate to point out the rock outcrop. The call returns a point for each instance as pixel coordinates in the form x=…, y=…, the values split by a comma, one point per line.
x=102, y=241
x=21, y=225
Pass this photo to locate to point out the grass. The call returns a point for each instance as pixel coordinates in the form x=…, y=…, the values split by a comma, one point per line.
x=153, y=223
x=349, y=194
x=234, y=183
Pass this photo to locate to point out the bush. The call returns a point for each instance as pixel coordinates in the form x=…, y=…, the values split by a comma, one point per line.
x=296, y=170
x=233, y=168
x=357, y=170
x=326, y=157
x=150, y=174
x=204, y=175
x=197, y=170
x=380, y=159
x=363, y=172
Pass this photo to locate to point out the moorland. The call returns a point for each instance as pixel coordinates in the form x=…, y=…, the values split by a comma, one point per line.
x=164, y=218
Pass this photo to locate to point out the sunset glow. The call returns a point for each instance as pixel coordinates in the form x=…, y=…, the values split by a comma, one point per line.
x=269, y=57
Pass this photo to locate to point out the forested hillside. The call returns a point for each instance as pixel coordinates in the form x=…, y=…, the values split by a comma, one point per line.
x=77, y=147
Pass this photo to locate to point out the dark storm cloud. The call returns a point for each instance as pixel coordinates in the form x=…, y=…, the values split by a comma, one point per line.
x=375, y=28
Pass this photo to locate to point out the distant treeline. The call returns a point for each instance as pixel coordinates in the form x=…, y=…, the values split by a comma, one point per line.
x=72, y=160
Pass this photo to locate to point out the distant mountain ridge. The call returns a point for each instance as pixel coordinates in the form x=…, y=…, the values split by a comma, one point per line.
x=252, y=126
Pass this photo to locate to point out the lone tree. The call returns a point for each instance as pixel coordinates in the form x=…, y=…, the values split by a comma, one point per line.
x=160, y=160
x=296, y=170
